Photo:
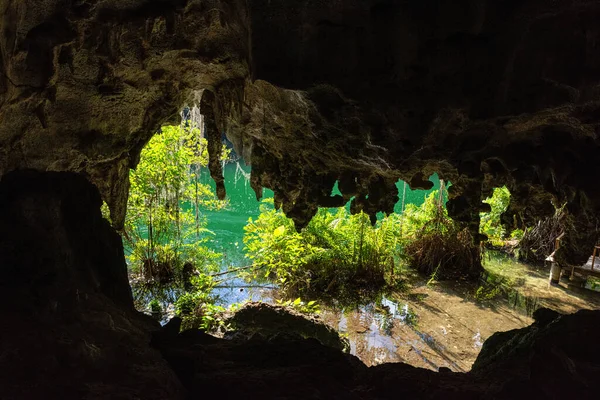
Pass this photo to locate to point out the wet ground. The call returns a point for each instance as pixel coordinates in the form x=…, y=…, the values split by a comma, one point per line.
x=442, y=324
x=429, y=326
x=527, y=287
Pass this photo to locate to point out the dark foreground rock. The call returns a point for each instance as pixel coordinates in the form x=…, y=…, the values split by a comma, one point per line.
x=69, y=330
x=553, y=359
x=556, y=357
x=278, y=322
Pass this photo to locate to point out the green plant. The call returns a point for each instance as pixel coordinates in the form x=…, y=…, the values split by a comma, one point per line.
x=490, y=223
x=105, y=212
x=155, y=306
x=312, y=307
x=165, y=234
x=517, y=234
x=487, y=292
x=334, y=252
x=196, y=306
x=434, y=275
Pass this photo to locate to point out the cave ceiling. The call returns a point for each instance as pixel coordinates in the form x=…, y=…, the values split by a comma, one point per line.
x=310, y=92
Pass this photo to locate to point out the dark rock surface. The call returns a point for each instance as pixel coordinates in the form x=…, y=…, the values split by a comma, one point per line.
x=555, y=358
x=486, y=93
x=281, y=368
x=277, y=322
x=69, y=329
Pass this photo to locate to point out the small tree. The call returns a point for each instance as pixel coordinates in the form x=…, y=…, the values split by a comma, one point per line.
x=164, y=230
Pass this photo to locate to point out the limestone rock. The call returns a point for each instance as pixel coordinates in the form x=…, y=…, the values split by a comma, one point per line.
x=485, y=93
x=69, y=329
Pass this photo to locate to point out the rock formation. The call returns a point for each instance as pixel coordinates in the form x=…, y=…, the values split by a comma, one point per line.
x=485, y=93
x=69, y=329
x=256, y=319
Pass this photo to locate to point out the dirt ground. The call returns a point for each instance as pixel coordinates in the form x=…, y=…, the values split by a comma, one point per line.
x=445, y=330
x=444, y=324
x=531, y=284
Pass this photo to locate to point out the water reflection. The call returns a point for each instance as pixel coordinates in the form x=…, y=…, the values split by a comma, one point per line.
x=384, y=331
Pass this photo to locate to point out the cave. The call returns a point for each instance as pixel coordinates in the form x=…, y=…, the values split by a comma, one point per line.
x=362, y=93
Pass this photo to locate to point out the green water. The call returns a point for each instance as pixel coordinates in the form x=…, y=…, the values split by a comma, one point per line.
x=228, y=225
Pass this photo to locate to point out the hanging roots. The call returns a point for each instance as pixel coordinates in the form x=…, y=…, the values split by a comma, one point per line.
x=538, y=242
x=443, y=250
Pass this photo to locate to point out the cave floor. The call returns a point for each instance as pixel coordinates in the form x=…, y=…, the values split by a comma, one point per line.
x=530, y=289
x=444, y=324
x=429, y=326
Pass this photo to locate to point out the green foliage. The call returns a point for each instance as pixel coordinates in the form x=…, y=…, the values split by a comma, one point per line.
x=155, y=306
x=335, y=251
x=434, y=275
x=417, y=218
x=517, y=234
x=196, y=306
x=165, y=233
x=159, y=228
x=487, y=293
x=494, y=281
x=312, y=307
x=490, y=224
x=105, y=211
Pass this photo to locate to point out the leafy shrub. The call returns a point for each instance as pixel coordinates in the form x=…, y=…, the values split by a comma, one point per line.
x=490, y=224
x=196, y=306
x=312, y=307
x=155, y=306
x=335, y=251
x=517, y=234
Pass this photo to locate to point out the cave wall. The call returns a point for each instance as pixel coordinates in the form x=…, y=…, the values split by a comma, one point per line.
x=85, y=84
x=69, y=328
x=485, y=93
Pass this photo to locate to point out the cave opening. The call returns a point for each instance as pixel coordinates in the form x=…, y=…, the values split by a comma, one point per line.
x=490, y=96
x=249, y=255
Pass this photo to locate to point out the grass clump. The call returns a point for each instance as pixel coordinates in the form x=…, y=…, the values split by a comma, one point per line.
x=437, y=246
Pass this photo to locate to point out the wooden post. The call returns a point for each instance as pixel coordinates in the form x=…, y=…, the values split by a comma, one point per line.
x=594, y=257
x=554, y=267
x=554, y=273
